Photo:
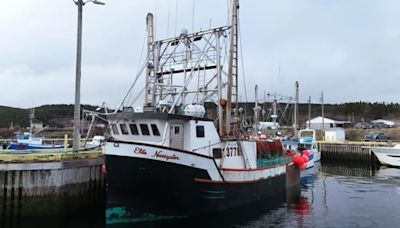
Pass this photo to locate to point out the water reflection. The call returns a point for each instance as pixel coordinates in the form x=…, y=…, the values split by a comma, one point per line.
x=247, y=216
x=349, y=169
x=330, y=195
x=354, y=196
x=84, y=211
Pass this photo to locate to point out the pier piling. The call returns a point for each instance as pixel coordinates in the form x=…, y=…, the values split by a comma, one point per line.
x=349, y=152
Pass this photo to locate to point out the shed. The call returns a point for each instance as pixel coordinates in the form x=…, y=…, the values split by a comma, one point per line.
x=335, y=135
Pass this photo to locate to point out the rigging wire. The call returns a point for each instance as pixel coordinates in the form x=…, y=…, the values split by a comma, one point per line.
x=176, y=14
x=228, y=7
x=169, y=13
x=193, y=11
x=133, y=84
x=129, y=97
x=155, y=17
x=137, y=97
x=242, y=63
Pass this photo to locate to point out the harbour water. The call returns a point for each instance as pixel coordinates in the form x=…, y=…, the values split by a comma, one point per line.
x=330, y=196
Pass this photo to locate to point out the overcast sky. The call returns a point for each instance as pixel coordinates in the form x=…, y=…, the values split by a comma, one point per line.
x=349, y=49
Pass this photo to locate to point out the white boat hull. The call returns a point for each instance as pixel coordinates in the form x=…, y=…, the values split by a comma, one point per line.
x=388, y=156
x=317, y=155
x=314, y=157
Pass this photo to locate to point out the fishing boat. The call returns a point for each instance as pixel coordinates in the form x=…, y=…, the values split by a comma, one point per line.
x=305, y=144
x=171, y=159
x=389, y=156
x=307, y=141
x=30, y=140
x=27, y=141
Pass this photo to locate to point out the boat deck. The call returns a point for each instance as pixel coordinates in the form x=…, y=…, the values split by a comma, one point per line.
x=264, y=162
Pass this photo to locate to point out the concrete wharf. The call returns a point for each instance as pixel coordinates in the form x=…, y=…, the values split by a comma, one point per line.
x=350, y=152
x=44, y=181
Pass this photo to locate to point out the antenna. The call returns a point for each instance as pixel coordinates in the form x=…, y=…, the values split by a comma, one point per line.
x=309, y=112
x=31, y=117
x=296, y=107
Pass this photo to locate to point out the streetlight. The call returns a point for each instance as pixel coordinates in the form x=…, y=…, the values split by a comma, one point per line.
x=77, y=108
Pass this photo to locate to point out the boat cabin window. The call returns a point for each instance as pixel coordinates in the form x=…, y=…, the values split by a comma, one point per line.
x=154, y=129
x=124, y=129
x=114, y=129
x=200, y=131
x=176, y=130
x=134, y=129
x=145, y=129
x=304, y=146
x=217, y=152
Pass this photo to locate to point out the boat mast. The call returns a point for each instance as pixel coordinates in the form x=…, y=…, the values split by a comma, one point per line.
x=148, y=94
x=232, y=68
x=309, y=112
x=256, y=111
x=296, y=108
x=219, y=87
x=274, y=114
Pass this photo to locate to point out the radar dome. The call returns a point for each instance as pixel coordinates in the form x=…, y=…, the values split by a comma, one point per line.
x=195, y=110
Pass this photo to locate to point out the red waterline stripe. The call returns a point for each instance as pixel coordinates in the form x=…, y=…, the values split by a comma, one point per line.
x=200, y=180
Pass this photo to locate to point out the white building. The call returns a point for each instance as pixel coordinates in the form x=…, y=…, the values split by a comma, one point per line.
x=335, y=135
x=327, y=123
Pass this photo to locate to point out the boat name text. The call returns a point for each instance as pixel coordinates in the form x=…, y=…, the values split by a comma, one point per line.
x=139, y=150
x=159, y=154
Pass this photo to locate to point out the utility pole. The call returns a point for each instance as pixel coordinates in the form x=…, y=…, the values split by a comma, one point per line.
x=77, y=107
x=296, y=108
x=322, y=110
x=31, y=118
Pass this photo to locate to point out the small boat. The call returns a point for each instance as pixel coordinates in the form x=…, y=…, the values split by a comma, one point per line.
x=97, y=141
x=30, y=140
x=307, y=141
x=389, y=156
x=299, y=146
x=26, y=141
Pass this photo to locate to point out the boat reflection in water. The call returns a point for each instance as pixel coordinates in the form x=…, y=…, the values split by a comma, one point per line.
x=272, y=210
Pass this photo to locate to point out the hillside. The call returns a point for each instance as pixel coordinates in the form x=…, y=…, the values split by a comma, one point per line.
x=355, y=111
x=59, y=115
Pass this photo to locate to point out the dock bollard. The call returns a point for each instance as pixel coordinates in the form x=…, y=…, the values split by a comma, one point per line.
x=65, y=142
